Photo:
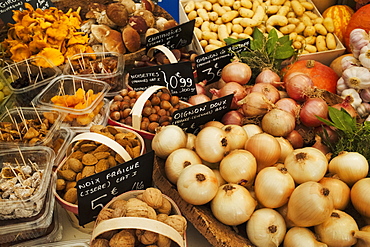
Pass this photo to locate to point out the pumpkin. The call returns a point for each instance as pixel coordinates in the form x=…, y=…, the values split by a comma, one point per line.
x=360, y=19
x=323, y=76
x=341, y=14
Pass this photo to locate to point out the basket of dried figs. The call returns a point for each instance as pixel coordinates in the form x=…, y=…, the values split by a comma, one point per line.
x=140, y=218
x=90, y=153
x=144, y=111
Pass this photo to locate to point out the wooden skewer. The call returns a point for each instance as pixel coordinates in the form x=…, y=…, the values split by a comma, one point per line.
x=37, y=113
x=34, y=165
x=83, y=60
x=28, y=71
x=70, y=64
x=16, y=175
x=15, y=123
x=20, y=113
x=19, y=72
x=42, y=76
x=92, y=69
x=20, y=152
x=2, y=137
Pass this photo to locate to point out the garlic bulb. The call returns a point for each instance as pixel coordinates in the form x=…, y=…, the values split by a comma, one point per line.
x=337, y=230
x=355, y=97
x=301, y=236
x=364, y=56
x=266, y=228
x=358, y=38
x=310, y=204
x=356, y=77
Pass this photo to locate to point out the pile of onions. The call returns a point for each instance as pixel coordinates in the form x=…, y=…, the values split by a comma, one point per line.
x=311, y=109
x=233, y=204
x=301, y=236
x=268, y=76
x=236, y=72
x=298, y=85
x=235, y=135
x=268, y=90
x=230, y=88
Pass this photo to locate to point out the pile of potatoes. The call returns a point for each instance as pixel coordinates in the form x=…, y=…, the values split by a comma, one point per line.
x=216, y=20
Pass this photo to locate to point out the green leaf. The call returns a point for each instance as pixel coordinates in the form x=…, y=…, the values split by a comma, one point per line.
x=272, y=41
x=342, y=119
x=230, y=40
x=284, y=48
x=258, y=38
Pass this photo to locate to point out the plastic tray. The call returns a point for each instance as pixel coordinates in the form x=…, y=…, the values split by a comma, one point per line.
x=31, y=206
x=91, y=65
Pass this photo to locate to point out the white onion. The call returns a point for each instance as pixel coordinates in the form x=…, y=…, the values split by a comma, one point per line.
x=286, y=148
x=273, y=186
x=220, y=180
x=349, y=167
x=340, y=191
x=211, y=144
x=167, y=139
x=306, y=164
x=266, y=228
x=363, y=236
x=278, y=122
x=310, y=204
x=360, y=196
x=233, y=204
x=197, y=184
x=235, y=135
x=252, y=129
x=239, y=167
x=301, y=236
x=190, y=141
x=177, y=161
x=337, y=230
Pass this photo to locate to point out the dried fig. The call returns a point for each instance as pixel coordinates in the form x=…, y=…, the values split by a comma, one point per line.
x=178, y=222
x=166, y=207
x=146, y=237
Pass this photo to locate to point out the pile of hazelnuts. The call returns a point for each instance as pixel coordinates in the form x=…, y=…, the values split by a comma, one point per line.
x=157, y=110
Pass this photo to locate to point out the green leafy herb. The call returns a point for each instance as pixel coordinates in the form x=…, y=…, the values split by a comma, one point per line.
x=266, y=51
x=353, y=136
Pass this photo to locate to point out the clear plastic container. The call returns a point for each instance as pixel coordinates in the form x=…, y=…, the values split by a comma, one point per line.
x=80, y=98
x=26, y=193
x=26, y=79
x=16, y=230
x=104, y=66
x=60, y=143
x=30, y=117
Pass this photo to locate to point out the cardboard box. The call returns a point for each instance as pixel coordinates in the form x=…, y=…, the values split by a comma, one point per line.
x=325, y=57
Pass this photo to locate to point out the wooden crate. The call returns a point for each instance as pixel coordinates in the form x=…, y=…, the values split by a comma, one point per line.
x=217, y=234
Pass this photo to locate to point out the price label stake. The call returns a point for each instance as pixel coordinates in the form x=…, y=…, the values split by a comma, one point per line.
x=95, y=191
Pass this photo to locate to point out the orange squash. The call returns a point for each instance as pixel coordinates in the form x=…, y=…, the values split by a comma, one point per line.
x=341, y=14
x=360, y=19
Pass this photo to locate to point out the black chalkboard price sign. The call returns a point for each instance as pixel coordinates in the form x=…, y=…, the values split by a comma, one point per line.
x=7, y=7
x=191, y=118
x=177, y=77
x=97, y=190
x=209, y=65
x=173, y=38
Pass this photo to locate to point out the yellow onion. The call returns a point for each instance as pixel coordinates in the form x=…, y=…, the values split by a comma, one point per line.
x=220, y=180
x=310, y=204
x=265, y=148
x=273, y=186
x=252, y=129
x=239, y=167
x=337, y=230
x=286, y=148
x=190, y=141
x=349, y=167
x=363, y=236
x=266, y=228
x=211, y=144
x=232, y=204
x=360, y=196
x=306, y=164
x=301, y=236
x=339, y=190
x=235, y=135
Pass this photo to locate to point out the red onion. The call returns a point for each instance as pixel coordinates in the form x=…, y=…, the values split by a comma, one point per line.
x=232, y=117
x=298, y=85
x=320, y=146
x=295, y=138
x=289, y=105
x=312, y=108
x=198, y=99
x=268, y=90
x=268, y=76
x=255, y=104
x=326, y=131
x=236, y=72
x=200, y=87
x=230, y=88
x=346, y=105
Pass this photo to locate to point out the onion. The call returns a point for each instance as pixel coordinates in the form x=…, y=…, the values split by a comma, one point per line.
x=268, y=76
x=363, y=236
x=273, y=186
x=232, y=117
x=236, y=72
x=340, y=191
x=278, y=122
x=337, y=230
x=257, y=145
x=211, y=144
x=268, y=90
x=301, y=236
x=230, y=88
x=295, y=138
x=349, y=167
x=310, y=204
x=255, y=104
x=177, y=161
x=313, y=108
x=239, y=167
x=200, y=87
x=233, y=204
x=360, y=198
x=298, y=85
x=320, y=145
x=252, y=129
x=190, y=141
x=235, y=135
x=266, y=227
x=198, y=99
x=197, y=184
x=217, y=124
x=288, y=105
x=167, y=139
x=346, y=105
x=285, y=147
x=220, y=180
x=306, y=164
